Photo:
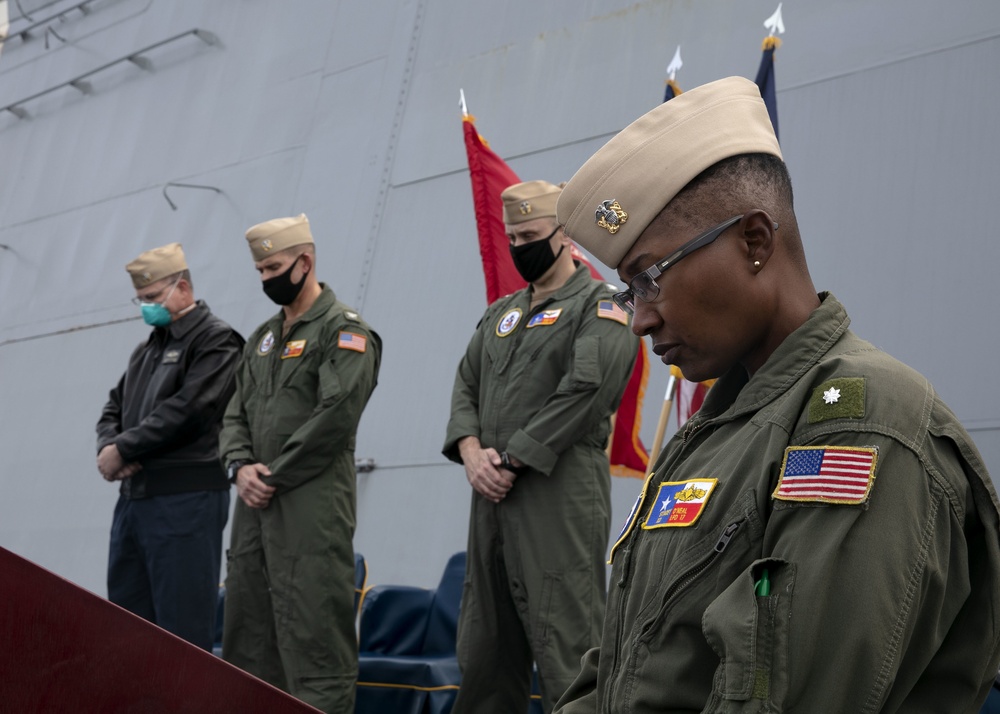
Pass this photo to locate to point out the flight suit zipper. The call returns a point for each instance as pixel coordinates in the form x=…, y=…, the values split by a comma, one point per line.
x=685, y=579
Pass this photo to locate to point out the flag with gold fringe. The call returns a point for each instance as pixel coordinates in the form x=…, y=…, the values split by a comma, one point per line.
x=765, y=80
x=687, y=396
x=690, y=396
x=765, y=73
x=672, y=89
x=490, y=175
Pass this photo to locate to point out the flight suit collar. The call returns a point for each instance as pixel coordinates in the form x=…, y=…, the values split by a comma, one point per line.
x=324, y=301
x=799, y=352
x=178, y=329
x=576, y=282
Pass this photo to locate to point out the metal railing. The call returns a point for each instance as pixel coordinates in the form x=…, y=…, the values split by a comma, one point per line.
x=80, y=84
x=24, y=32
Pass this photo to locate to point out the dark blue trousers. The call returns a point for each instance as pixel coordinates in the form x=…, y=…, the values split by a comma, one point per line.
x=164, y=561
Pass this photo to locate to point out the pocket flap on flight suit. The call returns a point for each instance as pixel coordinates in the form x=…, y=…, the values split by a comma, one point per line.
x=330, y=388
x=586, y=362
x=747, y=626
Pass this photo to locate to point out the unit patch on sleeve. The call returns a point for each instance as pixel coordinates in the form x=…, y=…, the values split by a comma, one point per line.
x=545, y=317
x=827, y=474
x=679, y=503
x=508, y=322
x=266, y=343
x=293, y=349
x=352, y=341
x=610, y=311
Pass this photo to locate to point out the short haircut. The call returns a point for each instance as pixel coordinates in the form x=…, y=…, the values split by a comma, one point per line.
x=739, y=183
x=182, y=275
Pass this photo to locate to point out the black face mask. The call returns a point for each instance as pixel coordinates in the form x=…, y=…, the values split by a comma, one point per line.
x=281, y=289
x=533, y=260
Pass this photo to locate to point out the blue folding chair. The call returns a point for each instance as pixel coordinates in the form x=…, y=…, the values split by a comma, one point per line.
x=360, y=581
x=992, y=703
x=407, y=662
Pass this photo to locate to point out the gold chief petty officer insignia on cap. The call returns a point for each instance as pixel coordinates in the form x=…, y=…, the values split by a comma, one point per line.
x=610, y=216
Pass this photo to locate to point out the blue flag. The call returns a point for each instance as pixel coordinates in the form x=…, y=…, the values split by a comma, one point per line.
x=671, y=91
x=765, y=80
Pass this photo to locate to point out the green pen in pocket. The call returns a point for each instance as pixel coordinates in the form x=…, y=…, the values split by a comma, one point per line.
x=762, y=587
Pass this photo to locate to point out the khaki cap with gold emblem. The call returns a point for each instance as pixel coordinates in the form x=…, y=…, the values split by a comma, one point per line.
x=611, y=200
x=529, y=200
x=272, y=236
x=156, y=264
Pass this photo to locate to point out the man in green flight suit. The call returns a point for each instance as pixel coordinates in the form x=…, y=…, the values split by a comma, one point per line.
x=530, y=420
x=823, y=536
x=288, y=444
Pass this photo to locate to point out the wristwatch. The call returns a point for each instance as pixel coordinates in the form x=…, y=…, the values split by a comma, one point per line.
x=235, y=466
x=505, y=462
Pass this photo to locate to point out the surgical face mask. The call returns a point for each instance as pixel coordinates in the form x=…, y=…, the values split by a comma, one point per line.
x=281, y=289
x=155, y=313
x=533, y=260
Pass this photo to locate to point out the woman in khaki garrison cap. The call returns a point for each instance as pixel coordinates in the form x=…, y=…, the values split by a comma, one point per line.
x=823, y=536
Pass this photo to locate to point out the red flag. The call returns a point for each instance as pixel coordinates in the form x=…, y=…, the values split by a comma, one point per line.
x=490, y=175
x=690, y=396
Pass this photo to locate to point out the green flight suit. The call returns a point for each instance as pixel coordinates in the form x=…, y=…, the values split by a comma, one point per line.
x=886, y=604
x=541, y=384
x=289, y=615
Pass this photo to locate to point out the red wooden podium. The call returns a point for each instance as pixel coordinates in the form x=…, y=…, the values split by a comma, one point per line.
x=64, y=649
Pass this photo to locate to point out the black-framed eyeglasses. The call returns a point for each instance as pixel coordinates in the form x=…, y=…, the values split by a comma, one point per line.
x=643, y=285
x=150, y=299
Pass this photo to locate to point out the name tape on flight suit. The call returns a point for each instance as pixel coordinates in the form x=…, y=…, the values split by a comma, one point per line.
x=680, y=503
x=293, y=348
x=545, y=317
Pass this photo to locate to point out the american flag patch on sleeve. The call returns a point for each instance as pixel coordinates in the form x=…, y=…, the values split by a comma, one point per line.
x=352, y=341
x=827, y=474
x=609, y=311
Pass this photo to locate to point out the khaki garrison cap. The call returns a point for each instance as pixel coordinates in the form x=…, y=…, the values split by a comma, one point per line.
x=156, y=264
x=272, y=236
x=632, y=177
x=528, y=201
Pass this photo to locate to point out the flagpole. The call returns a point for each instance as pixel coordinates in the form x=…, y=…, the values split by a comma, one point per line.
x=611, y=439
x=661, y=426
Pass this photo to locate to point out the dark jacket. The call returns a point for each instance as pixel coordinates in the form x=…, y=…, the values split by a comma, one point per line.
x=166, y=410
